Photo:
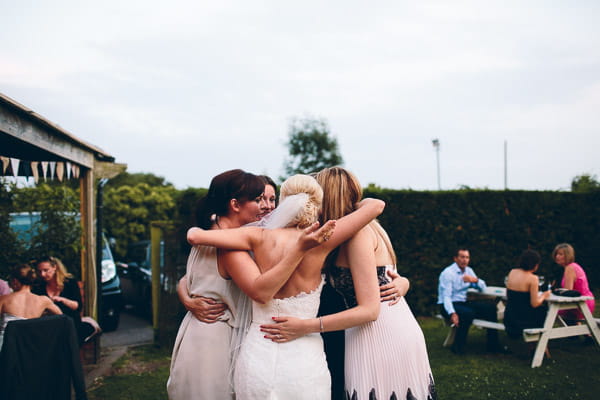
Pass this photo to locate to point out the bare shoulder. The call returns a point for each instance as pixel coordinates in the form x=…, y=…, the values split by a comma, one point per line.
x=365, y=236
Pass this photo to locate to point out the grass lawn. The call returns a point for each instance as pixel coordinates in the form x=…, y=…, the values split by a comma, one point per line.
x=573, y=372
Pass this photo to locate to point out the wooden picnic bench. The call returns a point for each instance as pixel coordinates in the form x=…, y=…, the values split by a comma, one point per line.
x=554, y=327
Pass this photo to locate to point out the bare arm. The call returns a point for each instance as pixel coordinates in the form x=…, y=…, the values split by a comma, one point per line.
x=205, y=309
x=50, y=306
x=243, y=238
x=262, y=286
x=72, y=304
x=364, y=276
x=368, y=209
x=570, y=277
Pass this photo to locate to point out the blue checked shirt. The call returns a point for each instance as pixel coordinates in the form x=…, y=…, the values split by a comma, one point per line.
x=452, y=288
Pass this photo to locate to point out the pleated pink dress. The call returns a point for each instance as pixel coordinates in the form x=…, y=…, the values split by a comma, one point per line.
x=386, y=358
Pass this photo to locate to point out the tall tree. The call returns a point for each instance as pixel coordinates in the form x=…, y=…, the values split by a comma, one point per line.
x=585, y=183
x=311, y=147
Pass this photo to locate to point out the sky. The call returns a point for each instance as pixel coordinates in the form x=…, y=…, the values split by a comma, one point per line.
x=188, y=89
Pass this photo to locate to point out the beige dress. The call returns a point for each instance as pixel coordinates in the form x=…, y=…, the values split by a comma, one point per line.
x=201, y=360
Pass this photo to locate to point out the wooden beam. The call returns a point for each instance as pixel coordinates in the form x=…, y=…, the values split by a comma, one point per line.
x=109, y=170
x=25, y=130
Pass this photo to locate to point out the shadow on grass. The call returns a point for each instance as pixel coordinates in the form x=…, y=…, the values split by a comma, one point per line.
x=573, y=372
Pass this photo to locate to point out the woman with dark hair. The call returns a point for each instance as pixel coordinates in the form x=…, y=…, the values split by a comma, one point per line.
x=201, y=361
x=524, y=304
x=22, y=304
x=270, y=195
x=60, y=286
x=276, y=369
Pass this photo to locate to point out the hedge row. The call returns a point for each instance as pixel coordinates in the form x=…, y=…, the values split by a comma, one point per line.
x=427, y=227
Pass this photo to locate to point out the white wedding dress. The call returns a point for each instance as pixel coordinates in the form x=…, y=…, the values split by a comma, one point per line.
x=295, y=370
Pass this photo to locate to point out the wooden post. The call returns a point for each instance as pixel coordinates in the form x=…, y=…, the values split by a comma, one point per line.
x=88, y=241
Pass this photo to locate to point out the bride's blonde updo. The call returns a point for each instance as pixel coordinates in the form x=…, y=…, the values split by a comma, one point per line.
x=303, y=184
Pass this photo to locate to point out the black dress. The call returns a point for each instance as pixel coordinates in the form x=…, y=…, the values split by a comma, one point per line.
x=519, y=314
x=70, y=291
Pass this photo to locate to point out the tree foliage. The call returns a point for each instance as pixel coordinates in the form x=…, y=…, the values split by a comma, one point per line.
x=585, y=183
x=128, y=211
x=57, y=232
x=12, y=250
x=311, y=147
x=125, y=178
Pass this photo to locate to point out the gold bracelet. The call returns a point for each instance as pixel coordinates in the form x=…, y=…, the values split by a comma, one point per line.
x=321, y=324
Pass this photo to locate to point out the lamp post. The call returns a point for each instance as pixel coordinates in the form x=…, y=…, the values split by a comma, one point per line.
x=436, y=145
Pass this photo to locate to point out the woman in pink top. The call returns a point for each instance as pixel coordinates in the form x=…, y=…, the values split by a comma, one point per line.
x=574, y=278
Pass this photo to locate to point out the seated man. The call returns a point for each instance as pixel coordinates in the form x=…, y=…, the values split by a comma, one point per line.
x=452, y=298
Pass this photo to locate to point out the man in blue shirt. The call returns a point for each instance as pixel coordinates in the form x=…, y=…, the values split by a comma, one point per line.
x=454, y=282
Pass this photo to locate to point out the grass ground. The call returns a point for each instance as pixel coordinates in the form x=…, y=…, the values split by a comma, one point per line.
x=573, y=372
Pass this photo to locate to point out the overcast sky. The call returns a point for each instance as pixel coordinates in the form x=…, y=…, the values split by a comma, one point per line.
x=188, y=89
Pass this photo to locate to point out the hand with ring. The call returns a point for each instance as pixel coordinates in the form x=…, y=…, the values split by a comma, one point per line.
x=285, y=329
x=393, y=291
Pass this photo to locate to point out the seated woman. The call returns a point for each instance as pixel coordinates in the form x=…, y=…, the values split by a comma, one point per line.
x=574, y=278
x=525, y=306
x=22, y=304
x=60, y=286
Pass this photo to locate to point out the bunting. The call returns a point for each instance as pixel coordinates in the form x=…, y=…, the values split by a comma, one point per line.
x=9, y=166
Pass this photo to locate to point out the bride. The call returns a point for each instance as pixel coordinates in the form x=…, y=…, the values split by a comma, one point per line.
x=298, y=369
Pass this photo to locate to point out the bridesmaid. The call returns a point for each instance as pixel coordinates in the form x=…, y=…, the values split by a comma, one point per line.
x=387, y=357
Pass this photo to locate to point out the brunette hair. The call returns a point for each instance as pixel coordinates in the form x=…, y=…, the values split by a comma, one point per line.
x=304, y=184
x=268, y=181
x=529, y=259
x=233, y=184
x=61, y=271
x=24, y=274
x=341, y=194
x=567, y=250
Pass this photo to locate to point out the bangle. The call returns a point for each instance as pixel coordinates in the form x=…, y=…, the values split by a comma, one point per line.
x=321, y=324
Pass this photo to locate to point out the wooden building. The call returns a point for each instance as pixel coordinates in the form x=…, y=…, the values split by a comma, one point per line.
x=32, y=146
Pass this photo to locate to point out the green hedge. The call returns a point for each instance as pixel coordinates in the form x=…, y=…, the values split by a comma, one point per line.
x=427, y=227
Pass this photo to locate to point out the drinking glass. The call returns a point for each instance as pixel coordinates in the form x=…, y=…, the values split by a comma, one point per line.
x=542, y=280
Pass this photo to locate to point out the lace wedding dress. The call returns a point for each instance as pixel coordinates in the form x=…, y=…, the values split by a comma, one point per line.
x=295, y=370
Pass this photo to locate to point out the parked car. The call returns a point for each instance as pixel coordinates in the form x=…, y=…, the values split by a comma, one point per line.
x=111, y=301
x=136, y=276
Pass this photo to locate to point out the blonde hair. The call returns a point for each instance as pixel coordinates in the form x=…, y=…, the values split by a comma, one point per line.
x=303, y=184
x=61, y=271
x=342, y=192
x=567, y=250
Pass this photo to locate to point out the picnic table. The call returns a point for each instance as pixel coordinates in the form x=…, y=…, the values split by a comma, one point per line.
x=554, y=327
x=561, y=330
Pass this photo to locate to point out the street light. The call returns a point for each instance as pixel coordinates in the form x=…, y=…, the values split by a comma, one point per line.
x=436, y=145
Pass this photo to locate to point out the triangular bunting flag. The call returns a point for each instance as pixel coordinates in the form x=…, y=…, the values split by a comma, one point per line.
x=60, y=170
x=34, y=171
x=68, y=169
x=45, y=169
x=14, y=162
x=52, y=168
x=5, y=163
